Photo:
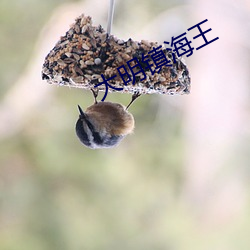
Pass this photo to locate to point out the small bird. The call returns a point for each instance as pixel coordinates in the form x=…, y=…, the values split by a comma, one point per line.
x=104, y=124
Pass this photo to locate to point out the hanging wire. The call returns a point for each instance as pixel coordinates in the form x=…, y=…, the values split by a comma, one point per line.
x=110, y=15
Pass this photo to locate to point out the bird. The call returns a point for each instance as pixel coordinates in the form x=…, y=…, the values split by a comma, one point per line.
x=104, y=124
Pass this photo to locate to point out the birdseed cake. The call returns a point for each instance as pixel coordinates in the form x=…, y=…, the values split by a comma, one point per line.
x=86, y=53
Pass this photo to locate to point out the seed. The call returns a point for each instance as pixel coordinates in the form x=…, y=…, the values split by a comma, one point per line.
x=103, y=37
x=77, y=29
x=70, y=32
x=77, y=57
x=78, y=70
x=85, y=46
x=69, y=60
x=77, y=51
x=68, y=54
x=118, y=58
x=77, y=79
x=88, y=62
x=88, y=77
x=84, y=28
x=120, y=42
x=145, y=42
x=95, y=76
x=93, y=42
x=134, y=45
x=126, y=57
x=98, y=61
x=128, y=50
x=61, y=62
x=83, y=21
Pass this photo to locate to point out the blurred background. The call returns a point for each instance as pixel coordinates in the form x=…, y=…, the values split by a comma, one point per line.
x=180, y=182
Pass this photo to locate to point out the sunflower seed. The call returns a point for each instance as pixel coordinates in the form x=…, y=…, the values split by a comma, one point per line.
x=85, y=46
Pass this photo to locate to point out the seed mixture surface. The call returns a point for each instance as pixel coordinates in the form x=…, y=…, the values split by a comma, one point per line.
x=85, y=52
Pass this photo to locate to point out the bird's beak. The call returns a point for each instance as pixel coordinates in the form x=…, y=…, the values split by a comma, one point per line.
x=82, y=115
